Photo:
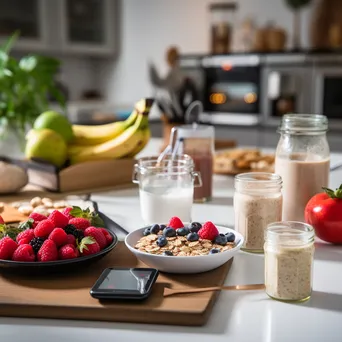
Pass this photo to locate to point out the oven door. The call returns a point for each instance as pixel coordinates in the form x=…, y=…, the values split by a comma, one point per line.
x=232, y=90
x=328, y=94
x=286, y=90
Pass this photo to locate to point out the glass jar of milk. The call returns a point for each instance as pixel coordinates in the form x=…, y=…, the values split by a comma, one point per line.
x=166, y=187
x=302, y=161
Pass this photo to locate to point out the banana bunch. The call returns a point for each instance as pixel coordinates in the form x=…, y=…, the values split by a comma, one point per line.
x=123, y=139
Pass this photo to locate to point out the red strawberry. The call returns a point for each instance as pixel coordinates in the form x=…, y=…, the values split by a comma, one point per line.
x=89, y=246
x=2, y=220
x=71, y=240
x=58, y=236
x=48, y=251
x=37, y=217
x=80, y=223
x=97, y=234
x=59, y=219
x=44, y=228
x=108, y=237
x=66, y=212
x=208, y=231
x=175, y=223
x=7, y=248
x=24, y=253
x=26, y=235
x=68, y=252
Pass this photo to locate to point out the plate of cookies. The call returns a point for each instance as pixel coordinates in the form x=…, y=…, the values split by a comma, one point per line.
x=235, y=161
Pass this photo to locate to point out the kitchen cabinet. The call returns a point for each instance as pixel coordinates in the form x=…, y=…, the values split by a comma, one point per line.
x=85, y=27
x=28, y=17
x=88, y=26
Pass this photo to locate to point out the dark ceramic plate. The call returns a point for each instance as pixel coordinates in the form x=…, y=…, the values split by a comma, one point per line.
x=55, y=266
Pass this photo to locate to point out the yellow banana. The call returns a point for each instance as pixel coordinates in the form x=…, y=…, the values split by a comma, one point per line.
x=144, y=142
x=118, y=147
x=92, y=135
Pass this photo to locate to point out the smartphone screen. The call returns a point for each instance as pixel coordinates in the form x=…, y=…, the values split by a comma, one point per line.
x=127, y=281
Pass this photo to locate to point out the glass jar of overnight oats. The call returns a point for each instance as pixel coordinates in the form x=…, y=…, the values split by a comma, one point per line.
x=289, y=251
x=257, y=202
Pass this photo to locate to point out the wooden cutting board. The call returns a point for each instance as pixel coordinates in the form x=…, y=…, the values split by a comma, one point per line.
x=67, y=296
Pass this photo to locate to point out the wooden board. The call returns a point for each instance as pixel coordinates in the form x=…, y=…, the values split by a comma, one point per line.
x=11, y=215
x=67, y=296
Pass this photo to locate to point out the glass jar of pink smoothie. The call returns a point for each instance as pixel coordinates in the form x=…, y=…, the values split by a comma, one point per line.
x=302, y=161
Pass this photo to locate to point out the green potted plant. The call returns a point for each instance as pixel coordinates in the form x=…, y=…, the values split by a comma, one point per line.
x=296, y=6
x=25, y=85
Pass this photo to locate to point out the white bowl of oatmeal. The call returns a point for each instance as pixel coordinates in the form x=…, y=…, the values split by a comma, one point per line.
x=185, y=264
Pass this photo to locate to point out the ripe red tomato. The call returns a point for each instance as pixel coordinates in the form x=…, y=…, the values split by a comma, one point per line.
x=324, y=213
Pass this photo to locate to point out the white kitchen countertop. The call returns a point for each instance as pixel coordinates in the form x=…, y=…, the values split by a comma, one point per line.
x=237, y=316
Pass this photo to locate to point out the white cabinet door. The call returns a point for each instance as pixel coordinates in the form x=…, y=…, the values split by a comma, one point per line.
x=29, y=18
x=88, y=26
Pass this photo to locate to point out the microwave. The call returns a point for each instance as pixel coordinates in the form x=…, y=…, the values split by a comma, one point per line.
x=228, y=86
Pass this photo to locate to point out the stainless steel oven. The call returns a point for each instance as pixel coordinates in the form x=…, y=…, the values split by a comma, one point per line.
x=232, y=89
x=327, y=88
x=287, y=82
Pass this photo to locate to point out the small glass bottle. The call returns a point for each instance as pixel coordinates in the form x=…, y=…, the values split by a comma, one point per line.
x=303, y=161
x=289, y=252
x=257, y=202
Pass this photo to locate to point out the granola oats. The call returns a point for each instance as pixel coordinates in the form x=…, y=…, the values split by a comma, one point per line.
x=179, y=245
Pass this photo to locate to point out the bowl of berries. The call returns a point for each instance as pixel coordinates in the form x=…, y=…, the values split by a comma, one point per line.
x=64, y=240
x=179, y=247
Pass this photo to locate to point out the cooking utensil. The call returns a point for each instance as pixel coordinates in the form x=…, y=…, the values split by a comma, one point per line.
x=170, y=292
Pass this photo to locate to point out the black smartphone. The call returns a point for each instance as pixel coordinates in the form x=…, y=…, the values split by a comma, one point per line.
x=125, y=283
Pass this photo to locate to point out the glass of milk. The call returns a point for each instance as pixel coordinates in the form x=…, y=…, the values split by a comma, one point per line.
x=166, y=188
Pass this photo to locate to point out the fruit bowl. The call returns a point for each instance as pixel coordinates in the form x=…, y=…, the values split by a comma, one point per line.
x=184, y=264
x=57, y=266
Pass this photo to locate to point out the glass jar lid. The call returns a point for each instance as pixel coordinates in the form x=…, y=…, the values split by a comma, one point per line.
x=290, y=233
x=258, y=181
x=303, y=123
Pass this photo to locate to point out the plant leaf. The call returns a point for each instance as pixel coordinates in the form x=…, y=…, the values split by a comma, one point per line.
x=330, y=192
x=76, y=212
x=26, y=224
x=10, y=42
x=97, y=221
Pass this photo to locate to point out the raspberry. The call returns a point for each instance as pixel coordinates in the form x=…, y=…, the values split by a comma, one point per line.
x=58, y=236
x=24, y=253
x=89, y=246
x=80, y=223
x=44, y=228
x=37, y=217
x=48, y=251
x=176, y=223
x=108, y=237
x=66, y=212
x=68, y=252
x=7, y=248
x=2, y=220
x=71, y=240
x=27, y=235
x=59, y=219
x=97, y=234
x=208, y=231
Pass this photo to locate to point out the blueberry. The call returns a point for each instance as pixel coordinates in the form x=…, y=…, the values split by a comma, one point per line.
x=162, y=241
x=155, y=229
x=192, y=237
x=195, y=227
x=147, y=231
x=162, y=226
x=168, y=253
x=221, y=240
x=214, y=251
x=183, y=231
x=230, y=237
x=169, y=232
